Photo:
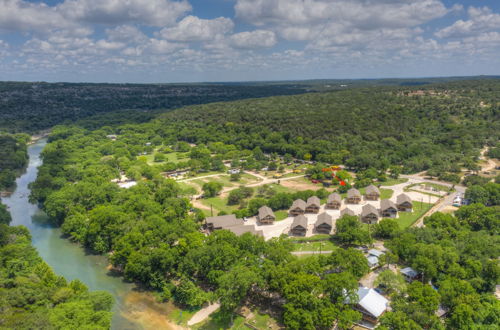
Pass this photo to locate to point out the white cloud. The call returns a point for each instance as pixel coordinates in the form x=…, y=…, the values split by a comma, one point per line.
x=480, y=20
x=126, y=33
x=150, y=12
x=192, y=28
x=253, y=39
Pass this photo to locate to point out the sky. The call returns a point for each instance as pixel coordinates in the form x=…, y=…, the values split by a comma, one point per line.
x=162, y=41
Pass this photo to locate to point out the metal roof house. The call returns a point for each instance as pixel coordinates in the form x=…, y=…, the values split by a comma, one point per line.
x=299, y=225
x=409, y=274
x=371, y=304
x=298, y=207
x=372, y=193
x=353, y=196
x=388, y=209
x=334, y=201
x=324, y=223
x=404, y=203
x=369, y=214
x=266, y=215
x=313, y=204
x=372, y=261
x=375, y=252
x=223, y=222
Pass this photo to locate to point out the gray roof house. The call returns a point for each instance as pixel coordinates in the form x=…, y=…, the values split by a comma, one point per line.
x=223, y=222
x=240, y=230
x=375, y=252
x=353, y=196
x=372, y=193
x=347, y=211
x=388, y=209
x=334, y=201
x=372, y=261
x=313, y=204
x=324, y=223
x=266, y=215
x=298, y=207
x=369, y=214
x=409, y=273
x=404, y=203
x=299, y=225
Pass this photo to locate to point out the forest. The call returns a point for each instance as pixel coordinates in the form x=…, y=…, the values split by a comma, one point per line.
x=30, y=107
x=151, y=232
x=32, y=296
x=13, y=157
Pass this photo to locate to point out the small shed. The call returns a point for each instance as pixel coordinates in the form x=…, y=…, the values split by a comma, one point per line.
x=334, y=201
x=266, y=215
x=313, y=204
x=388, y=209
x=299, y=225
x=404, y=203
x=372, y=261
x=298, y=207
x=372, y=193
x=375, y=252
x=324, y=223
x=353, y=196
x=369, y=214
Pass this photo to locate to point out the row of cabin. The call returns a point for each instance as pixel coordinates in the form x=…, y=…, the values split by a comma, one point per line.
x=372, y=193
x=323, y=224
x=300, y=207
x=388, y=209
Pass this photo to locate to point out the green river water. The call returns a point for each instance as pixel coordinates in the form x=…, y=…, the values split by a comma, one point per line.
x=132, y=309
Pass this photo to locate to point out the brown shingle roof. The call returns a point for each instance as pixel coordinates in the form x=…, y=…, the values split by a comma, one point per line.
x=387, y=203
x=224, y=221
x=299, y=220
x=371, y=189
x=240, y=230
x=264, y=211
x=299, y=203
x=353, y=192
x=403, y=198
x=313, y=200
x=367, y=209
x=334, y=198
x=324, y=218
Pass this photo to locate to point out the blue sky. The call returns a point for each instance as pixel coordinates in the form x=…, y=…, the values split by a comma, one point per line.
x=239, y=40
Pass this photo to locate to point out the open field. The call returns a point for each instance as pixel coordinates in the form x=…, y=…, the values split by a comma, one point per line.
x=392, y=182
x=314, y=246
x=254, y=318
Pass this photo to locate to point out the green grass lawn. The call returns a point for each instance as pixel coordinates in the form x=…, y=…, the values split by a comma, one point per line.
x=281, y=214
x=259, y=321
x=172, y=157
x=406, y=219
x=318, y=237
x=392, y=182
x=218, y=204
x=384, y=193
x=314, y=246
x=181, y=316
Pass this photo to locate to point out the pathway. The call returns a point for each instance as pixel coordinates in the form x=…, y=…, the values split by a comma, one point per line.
x=203, y=313
x=202, y=177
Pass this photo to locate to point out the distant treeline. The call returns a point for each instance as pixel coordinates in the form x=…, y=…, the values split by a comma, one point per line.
x=29, y=107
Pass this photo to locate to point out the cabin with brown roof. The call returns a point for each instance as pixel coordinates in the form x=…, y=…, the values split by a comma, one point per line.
x=222, y=222
x=299, y=225
x=369, y=214
x=240, y=230
x=347, y=211
x=298, y=207
x=372, y=193
x=353, y=196
x=388, y=209
x=313, y=204
x=266, y=215
x=334, y=201
x=404, y=203
x=324, y=223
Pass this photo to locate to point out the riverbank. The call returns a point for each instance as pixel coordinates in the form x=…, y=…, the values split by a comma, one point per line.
x=37, y=137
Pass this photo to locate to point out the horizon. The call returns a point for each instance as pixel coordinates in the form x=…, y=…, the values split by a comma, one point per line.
x=190, y=41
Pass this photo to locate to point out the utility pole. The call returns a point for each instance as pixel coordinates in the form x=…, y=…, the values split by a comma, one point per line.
x=211, y=211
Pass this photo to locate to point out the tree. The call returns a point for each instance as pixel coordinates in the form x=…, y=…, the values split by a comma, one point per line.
x=386, y=228
x=349, y=260
x=391, y=283
x=211, y=189
x=188, y=294
x=349, y=231
x=5, y=217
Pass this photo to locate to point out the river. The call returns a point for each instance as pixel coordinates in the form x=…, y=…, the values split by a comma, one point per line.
x=133, y=309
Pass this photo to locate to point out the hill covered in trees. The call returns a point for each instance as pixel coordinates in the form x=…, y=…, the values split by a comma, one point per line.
x=29, y=107
x=32, y=296
x=13, y=157
x=439, y=127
